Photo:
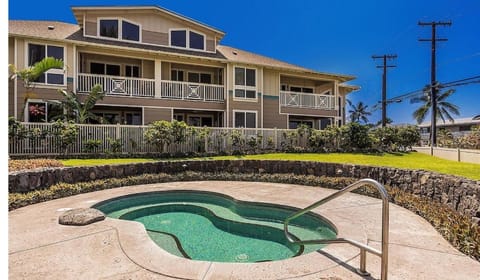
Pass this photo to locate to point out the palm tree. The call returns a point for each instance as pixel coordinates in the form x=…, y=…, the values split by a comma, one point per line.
x=445, y=109
x=81, y=112
x=31, y=74
x=358, y=112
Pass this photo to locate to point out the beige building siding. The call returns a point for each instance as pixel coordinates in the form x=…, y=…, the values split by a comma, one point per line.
x=271, y=117
x=271, y=82
x=11, y=50
x=11, y=98
x=154, y=25
x=156, y=38
x=308, y=112
x=90, y=28
x=148, y=69
x=166, y=73
x=21, y=63
x=210, y=46
x=156, y=114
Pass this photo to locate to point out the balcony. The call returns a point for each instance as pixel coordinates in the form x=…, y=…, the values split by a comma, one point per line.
x=192, y=91
x=141, y=87
x=307, y=100
x=117, y=86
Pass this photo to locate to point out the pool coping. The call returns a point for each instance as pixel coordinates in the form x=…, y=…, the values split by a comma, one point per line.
x=140, y=255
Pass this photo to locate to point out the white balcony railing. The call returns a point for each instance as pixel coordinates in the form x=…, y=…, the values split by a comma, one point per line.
x=307, y=100
x=192, y=91
x=116, y=85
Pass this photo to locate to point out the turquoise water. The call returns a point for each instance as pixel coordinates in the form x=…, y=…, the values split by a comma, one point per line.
x=215, y=227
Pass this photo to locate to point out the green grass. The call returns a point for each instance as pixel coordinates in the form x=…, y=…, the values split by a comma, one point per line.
x=399, y=160
x=92, y=162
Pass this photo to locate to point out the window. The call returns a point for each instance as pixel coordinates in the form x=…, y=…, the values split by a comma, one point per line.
x=37, y=52
x=132, y=71
x=301, y=89
x=245, y=83
x=294, y=124
x=119, y=29
x=44, y=111
x=178, y=38
x=203, y=78
x=177, y=75
x=193, y=77
x=196, y=41
x=178, y=117
x=109, y=28
x=187, y=39
x=104, y=69
x=133, y=118
x=130, y=31
x=200, y=121
x=245, y=119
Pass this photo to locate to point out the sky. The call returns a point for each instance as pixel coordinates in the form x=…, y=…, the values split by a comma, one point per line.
x=335, y=36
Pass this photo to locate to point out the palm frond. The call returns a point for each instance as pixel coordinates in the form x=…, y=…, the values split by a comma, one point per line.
x=420, y=114
x=420, y=99
x=44, y=65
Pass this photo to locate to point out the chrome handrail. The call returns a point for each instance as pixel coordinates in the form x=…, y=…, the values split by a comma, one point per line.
x=383, y=254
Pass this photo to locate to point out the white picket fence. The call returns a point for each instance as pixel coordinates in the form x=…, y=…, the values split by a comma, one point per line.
x=132, y=141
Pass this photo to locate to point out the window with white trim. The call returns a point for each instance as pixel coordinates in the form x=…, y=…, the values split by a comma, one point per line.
x=301, y=89
x=119, y=29
x=37, y=52
x=245, y=83
x=245, y=119
x=43, y=111
x=183, y=38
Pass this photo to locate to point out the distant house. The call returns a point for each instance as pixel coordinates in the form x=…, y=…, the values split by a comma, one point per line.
x=155, y=64
x=458, y=127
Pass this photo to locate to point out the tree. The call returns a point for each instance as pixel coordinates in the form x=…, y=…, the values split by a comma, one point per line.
x=78, y=111
x=358, y=112
x=31, y=74
x=444, y=108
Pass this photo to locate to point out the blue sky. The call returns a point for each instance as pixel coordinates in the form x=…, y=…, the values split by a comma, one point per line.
x=335, y=36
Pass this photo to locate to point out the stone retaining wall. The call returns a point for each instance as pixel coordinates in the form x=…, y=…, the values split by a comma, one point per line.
x=459, y=193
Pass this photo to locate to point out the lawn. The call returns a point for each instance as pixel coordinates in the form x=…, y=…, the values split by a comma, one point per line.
x=92, y=162
x=399, y=160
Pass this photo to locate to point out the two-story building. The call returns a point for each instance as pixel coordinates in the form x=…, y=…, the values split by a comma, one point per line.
x=154, y=64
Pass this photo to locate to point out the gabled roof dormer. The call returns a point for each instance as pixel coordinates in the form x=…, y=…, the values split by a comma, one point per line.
x=150, y=25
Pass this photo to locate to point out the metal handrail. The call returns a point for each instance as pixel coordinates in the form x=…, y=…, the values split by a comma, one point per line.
x=383, y=254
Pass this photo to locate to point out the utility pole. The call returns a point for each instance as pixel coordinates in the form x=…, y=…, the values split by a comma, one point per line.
x=384, y=83
x=433, y=80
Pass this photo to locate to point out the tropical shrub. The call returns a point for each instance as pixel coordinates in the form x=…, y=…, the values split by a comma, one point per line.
x=65, y=134
x=91, y=145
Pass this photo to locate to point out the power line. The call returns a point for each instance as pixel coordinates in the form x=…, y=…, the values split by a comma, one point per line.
x=415, y=93
x=384, y=83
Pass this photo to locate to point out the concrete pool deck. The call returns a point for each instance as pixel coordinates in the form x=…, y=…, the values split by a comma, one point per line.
x=40, y=248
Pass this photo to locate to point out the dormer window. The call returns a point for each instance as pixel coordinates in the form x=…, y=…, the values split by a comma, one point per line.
x=109, y=28
x=188, y=39
x=130, y=31
x=178, y=38
x=119, y=29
